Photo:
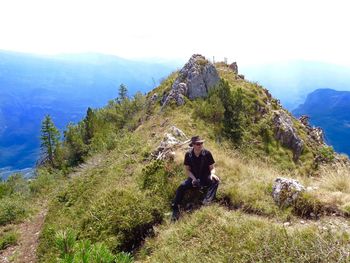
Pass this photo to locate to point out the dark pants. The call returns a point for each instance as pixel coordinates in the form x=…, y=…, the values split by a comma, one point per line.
x=211, y=185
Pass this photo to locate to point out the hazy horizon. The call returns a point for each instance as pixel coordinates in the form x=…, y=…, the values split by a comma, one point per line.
x=249, y=32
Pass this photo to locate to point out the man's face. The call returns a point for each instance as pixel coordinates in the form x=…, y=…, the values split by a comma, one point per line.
x=198, y=145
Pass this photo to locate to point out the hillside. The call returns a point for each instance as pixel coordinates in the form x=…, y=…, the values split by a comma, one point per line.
x=329, y=109
x=111, y=188
x=63, y=86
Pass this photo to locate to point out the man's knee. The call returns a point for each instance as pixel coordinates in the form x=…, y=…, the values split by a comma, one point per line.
x=185, y=184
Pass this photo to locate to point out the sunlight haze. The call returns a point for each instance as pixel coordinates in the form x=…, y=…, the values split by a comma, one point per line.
x=250, y=32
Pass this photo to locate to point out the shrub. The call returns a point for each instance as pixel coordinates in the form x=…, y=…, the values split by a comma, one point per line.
x=155, y=179
x=101, y=254
x=12, y=210
x=327, y=153
x=4, y=189
x=65, y=241
x=8, y=239
x=43, y=182
x=82, y=251
x=18, y=184
x=210, y=110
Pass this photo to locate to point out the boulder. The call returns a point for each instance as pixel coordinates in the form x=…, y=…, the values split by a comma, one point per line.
x=195, y=80
x=234, y=67
x=286, y=134
x=285, y=191
x=167, y=147
x=177, y=132
x=315, y=133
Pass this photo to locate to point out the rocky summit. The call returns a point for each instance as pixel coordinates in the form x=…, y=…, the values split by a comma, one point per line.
x=195, y=80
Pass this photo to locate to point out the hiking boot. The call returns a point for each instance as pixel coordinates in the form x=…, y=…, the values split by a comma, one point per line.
x=206, y=202
x=176, y=214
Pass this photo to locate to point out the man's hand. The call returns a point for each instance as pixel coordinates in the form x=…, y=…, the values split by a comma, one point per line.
x=214, y=177
x=195, y=182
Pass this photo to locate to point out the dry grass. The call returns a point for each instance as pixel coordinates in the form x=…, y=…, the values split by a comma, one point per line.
x=214, y=234
x=333, y=186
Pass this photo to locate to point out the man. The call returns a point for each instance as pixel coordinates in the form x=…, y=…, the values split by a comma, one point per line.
x=199, y=166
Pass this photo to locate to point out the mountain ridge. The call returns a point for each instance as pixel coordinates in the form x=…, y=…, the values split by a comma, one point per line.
x=142, y=187
x=329, y=109
x=110, y=190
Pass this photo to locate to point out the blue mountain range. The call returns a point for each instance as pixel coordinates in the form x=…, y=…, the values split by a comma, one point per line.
x=63, y=86
x=330, y=110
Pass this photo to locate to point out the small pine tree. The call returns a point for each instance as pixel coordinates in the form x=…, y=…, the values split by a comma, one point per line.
x=74, y=144
x=90, y=125
x=122, y=93
x=50, y=137
x=234, y=108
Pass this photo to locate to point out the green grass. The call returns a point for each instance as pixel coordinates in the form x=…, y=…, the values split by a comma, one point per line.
x=214, y=234
x=8, y=238
x=117, y=202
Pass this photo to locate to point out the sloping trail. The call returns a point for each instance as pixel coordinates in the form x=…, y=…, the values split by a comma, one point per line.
x=29, y=232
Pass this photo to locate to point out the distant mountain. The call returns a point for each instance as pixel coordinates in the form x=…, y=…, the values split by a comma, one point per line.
x=330, y=109
x=63, y=86
x=290, y=82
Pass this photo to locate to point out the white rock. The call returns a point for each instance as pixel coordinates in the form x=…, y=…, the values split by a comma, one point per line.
x=285, y=191
x=177, y=132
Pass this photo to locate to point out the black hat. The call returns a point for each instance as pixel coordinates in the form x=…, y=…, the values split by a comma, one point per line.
x=195, y=139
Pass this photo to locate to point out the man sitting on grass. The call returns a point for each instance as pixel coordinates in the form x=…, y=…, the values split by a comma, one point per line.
x=199, y=166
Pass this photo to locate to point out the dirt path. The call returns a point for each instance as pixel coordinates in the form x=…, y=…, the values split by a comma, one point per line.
x=29, y=231
x=25, y=250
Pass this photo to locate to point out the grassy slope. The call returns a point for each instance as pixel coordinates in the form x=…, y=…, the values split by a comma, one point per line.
x=112, y=203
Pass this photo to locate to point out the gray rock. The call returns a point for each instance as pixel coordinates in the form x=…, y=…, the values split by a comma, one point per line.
x=195, y=80
x=286, y=134
x=177, y=132
x=154, y=97
x=286, y=191
x=304, y=119
x=166, y=148
x=314, y=133
x=234, y=67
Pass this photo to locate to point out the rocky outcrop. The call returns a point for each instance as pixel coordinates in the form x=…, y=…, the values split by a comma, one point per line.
x=286, y=191
x=286, y=134
x=154, y=98
x=234, y=67
x=171, y=141
x=315, y=133
x=195, y=80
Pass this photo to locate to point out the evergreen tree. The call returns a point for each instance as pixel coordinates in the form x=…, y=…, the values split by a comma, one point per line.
x=122, y=93
x=49, y=139
x=234, y=108
x=90, y=125
x=74, y=143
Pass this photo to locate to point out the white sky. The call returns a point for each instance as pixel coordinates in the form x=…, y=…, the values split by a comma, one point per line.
x=245, y=31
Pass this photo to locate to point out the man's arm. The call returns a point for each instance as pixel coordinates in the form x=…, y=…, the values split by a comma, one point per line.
x=189, y=173
x=212, y=173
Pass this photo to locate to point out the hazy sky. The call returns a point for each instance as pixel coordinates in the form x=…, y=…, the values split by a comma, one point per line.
x=244, y=31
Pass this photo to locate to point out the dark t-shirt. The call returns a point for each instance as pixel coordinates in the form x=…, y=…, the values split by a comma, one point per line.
x=200, y=165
